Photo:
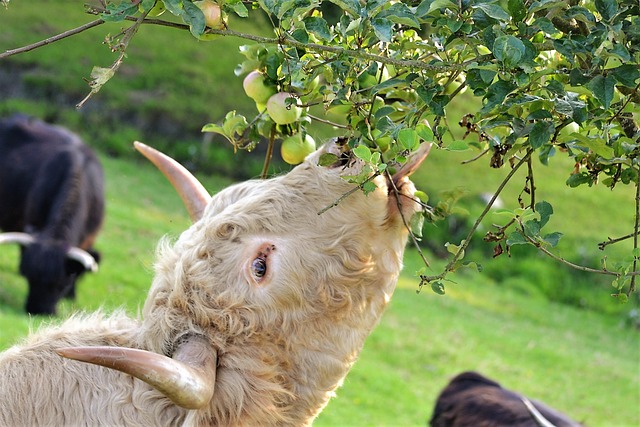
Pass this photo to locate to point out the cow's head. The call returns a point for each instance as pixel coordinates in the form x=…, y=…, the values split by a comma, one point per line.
x=51, y=268
x=285, y=270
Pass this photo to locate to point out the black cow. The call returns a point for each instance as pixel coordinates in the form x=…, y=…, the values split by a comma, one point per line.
x=471, y=399
x=52, y=204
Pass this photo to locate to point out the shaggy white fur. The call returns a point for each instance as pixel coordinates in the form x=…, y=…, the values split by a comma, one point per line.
x=284, y=295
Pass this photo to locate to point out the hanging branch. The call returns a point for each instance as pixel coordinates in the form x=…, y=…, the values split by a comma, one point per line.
x=451, y=266
x=102, y=75
x=269, y=153
x=636, y=228
x=53, y=39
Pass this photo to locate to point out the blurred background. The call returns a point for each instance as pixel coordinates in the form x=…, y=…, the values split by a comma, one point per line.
x=525, y=320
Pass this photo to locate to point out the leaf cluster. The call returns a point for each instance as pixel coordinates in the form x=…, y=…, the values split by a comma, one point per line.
x=553, y=78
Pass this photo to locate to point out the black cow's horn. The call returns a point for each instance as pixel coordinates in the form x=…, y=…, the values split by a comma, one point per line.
x=193, y=194
x=80, y=255
x=84, y=258
x=16, y=237
x=188, y=379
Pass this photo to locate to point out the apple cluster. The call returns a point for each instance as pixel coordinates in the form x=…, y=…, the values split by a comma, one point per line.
x=282, y=108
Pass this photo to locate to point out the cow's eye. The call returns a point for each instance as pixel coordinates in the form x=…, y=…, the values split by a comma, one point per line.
x=259, y=267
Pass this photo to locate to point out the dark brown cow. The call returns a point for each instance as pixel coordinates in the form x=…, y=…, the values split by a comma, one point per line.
x=471, y=399
x=52, y=204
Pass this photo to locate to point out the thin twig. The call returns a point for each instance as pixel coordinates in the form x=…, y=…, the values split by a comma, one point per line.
x=122, y=47
x=532, y=189
x=611, y=241
x=306, y=46
x=414, y=239
x=465, y=243
x=269, y=153
x=473, y=159
x=544, y=250
x=327, y=122
x=53, y=39
x=636, y=227
x=347, y=194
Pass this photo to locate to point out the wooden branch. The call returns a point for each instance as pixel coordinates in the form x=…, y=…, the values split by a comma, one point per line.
x=53, y=39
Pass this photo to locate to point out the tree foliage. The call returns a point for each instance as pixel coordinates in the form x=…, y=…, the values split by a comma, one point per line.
x=553, y=77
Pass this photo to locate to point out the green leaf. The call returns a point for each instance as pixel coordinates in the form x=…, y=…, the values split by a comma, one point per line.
x=473, y=265
x=458, y=145
x=300, y=35
x=438, y=287
x=399, y=13
x=496, y=93
x=408, y=138
x=577, y=179
x=383, y=28
x=622, y=298
x=238, y=8
x=424, y=197
x=552, y=239
x=318, y=26
x=327, y=159
x=627, y=74
x=416, y=223
x=431, y=5
x=193, y=16
x=516, y=238
x=532, y=228
x=351, y=6
x=545, y=210
x=607, y=8
x=454, y=249
x=363, y=152
x=602, y=88
x=509, y=50
x=100, y=76
x=595, y=144
x=493, y=11
x=369, y=187
x=116, y=13
x=517, y=9
x=541, y=133
x=424, y=132
x=173, y=6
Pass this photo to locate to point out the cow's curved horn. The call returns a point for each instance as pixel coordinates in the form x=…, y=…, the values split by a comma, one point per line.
x=16, y=237
x=188, y=379
x=194, y=196
x=84, y=258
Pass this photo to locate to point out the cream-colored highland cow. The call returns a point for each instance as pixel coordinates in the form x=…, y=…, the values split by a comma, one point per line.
x=255, y=315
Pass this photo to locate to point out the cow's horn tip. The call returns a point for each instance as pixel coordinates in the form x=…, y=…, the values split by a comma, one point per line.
x=140, y=145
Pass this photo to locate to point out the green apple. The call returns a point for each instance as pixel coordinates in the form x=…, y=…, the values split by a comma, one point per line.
x=212, y=14
x=294, y=148
x=280, y=112
x=256, y=88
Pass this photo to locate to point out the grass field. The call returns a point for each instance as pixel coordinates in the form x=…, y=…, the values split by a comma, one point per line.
x=525, y=321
